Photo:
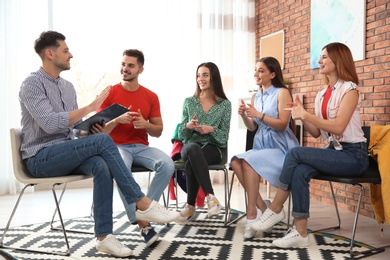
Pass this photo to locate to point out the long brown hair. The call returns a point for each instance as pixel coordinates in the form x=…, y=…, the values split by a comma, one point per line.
x=341, y=55
x=215, y=80
x=278, y=82
x=274, y=67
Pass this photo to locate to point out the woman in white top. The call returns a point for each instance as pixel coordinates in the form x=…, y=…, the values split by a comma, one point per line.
x=337, y=120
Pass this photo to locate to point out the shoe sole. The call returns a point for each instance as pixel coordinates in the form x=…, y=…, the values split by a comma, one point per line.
x=152, y=240
x=156, y=220
x=294, y=246
x=246, y=237
x=269, y=230
x=215, y=213
x=113, y=254
x=185, y=222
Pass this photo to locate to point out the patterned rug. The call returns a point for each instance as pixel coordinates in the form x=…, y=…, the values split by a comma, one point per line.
x=202, y=238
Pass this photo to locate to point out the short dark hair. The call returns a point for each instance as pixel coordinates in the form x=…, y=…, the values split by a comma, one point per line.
x=137, y=54
x=48, y=39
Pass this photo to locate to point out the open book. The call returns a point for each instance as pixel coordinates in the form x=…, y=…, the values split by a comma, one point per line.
x=105, y=115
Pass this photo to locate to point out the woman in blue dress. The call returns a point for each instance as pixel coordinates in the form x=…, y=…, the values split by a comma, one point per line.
x=272, y=140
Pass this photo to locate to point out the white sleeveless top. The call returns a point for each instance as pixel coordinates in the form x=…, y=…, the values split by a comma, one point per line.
x=353, y=133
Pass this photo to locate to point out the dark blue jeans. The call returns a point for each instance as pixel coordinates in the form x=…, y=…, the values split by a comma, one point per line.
x=95, y=155
x=303, y=163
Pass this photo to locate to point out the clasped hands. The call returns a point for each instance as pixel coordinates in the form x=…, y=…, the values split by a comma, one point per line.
x=203, y=129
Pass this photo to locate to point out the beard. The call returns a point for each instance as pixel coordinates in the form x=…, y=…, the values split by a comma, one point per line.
x=129, y=77
x=63, y=66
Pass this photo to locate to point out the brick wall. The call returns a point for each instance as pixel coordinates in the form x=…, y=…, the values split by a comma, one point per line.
x=293, y=16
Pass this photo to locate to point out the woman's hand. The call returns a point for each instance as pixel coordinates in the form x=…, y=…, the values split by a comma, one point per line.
x=242, y=108
x=205, y=129
x=252, y=112
x=193, y=124
x=297, y=110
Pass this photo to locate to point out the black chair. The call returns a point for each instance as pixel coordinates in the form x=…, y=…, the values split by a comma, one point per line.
x=215, y=167
x=371, y=176
x=250, y=135
x=138, y=169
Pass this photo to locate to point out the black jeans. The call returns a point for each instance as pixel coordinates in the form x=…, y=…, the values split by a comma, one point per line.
x=197, y=159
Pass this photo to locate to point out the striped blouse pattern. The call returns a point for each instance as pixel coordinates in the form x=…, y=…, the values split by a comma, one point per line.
x=45, y=104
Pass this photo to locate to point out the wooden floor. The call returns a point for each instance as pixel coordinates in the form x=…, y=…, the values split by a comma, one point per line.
x=38, y=207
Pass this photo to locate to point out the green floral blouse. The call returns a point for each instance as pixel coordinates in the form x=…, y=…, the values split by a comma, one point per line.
x=218, y=116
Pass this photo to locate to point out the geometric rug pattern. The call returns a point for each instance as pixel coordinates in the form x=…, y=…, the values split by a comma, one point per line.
x=202, y=238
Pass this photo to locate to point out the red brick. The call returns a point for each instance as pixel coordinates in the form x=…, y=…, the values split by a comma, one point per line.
x=374, y=74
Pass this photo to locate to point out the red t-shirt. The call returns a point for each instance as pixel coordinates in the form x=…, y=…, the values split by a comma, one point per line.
x=145, y=100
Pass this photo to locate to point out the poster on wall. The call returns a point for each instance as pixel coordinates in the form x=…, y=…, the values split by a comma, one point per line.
x=337, y=21
x=273, y=45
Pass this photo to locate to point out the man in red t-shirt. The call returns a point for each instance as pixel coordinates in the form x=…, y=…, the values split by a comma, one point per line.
x=130, y=133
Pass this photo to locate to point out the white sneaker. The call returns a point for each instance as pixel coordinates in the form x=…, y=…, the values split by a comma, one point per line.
x=112, y=246
x=249, y=232
x=292, y=239
x=213, y=205
x=268, y=219
x=157, y=213
x=268, y=230
x=186, y=214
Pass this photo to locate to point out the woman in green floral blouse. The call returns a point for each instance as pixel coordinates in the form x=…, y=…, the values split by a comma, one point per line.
x=204, y=130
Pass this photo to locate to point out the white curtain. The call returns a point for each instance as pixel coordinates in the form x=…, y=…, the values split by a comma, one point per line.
x=175, y=36
x=21, y=23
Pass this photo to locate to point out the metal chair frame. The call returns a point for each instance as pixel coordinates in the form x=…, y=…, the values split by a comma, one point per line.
x=215, y=167
x=23, y=176
x=370, y=176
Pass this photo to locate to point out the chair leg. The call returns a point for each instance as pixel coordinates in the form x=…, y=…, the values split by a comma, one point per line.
x=12, y=214
x=227, y=207
x=165, y=203
x=56, y=211
x=66, y=253
x=337, y=212
x=226, y=188
x=175, y=189
x=351, y=252
x=371, y=251
x=289, y=213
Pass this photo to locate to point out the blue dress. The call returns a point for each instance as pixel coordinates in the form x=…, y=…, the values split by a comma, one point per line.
x=269, y=145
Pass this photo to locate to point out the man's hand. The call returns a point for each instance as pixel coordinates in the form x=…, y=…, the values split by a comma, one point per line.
x=138, y=121
x=97, y=128
x=126, y=118
x=100, y=98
